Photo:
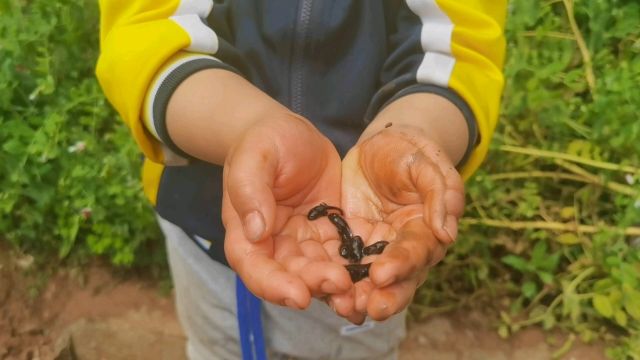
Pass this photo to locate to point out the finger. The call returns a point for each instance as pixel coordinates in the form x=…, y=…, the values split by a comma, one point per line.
x=342, y=304
x=393, y=269
x=321, y=277
x=311, y=263
x=263, y=276
x=363, y=290
x=249, y=177
x=414, y=249
x=451, y=227
x=454, y=195
x=431, y=186
x=453, y=198
x=454, y=201
x=390, y=300
x=267, y=279
x=357, y=318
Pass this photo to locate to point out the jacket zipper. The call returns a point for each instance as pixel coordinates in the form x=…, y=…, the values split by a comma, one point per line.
x=297, y=69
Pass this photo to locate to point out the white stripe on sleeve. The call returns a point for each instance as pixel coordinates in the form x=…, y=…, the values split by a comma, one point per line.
x=435, y=69
x=435, y=37
x=203, y=39
x=202, y=8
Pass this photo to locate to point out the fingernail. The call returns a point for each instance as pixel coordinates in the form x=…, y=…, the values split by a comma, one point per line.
x=332, y=305
x=253, y=226
x=451, y=228
x=291, y=304
x=451, y=237
x=329, y=287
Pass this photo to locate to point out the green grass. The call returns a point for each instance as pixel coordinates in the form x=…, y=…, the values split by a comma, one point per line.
x=548, y=236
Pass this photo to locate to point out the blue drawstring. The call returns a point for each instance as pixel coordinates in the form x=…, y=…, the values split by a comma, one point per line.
x=249, y=323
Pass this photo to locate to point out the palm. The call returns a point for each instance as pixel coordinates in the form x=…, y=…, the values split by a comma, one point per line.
x=400, y=188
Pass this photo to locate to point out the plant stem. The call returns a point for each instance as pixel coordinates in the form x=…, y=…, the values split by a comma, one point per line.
x=582, y=46
x=551, y=34
x=535, y=174
x=564, y=348
x=569, y=157
x=544, y=225
x=597, y=180
x=541, y=317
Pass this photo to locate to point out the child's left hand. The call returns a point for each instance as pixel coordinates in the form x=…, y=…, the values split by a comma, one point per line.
x=400, y=187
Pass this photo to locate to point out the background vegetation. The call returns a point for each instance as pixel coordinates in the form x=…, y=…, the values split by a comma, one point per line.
x=552, y=230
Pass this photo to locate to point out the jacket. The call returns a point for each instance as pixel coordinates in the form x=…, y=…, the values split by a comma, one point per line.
x=336, y=62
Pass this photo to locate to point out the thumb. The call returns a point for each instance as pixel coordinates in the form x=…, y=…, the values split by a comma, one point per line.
x=249, y=177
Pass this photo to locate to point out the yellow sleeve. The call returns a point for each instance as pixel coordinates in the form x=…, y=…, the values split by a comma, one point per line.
x=478, y=49
x=452, y=48
x=137, y=38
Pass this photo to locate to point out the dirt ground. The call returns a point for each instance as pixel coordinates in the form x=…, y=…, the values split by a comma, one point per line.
x=95, y=314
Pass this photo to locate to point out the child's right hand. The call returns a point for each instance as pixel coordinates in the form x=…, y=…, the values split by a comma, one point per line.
x=279, y=169
x=277, y=166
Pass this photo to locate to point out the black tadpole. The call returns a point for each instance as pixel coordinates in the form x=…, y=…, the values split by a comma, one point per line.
x=341, y=225
x=322, y=210
x=375, y=248
x=358, y=271
x=351, y=246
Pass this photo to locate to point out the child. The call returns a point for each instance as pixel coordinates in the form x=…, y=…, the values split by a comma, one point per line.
x=244, y=109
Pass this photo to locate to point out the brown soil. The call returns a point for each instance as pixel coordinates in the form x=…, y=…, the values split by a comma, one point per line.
x=93, y=314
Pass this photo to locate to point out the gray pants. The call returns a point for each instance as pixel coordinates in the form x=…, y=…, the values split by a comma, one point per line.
x=206, y=304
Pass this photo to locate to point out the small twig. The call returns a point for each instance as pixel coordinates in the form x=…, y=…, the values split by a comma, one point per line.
x=556, y=301
x=551, y=34
x=535, y=174
x=582, y=46
x=543, y=212
x=577, y=170
x=537, y=299
x=573, y=285
x=564, y=348
x=597, y=180
x=544, y=225
x=478, y=208
x=569, y=157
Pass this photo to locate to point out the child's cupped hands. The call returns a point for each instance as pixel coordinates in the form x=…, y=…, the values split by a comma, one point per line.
x=394, y=186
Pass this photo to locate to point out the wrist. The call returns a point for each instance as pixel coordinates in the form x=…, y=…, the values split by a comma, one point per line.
x=212, y=109
x=429, y=116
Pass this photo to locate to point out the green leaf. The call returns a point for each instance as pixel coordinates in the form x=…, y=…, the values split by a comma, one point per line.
x=546, y=277
x=632, y=306
x=503, y=331
x=539, y=253
x=620, y=317
x=69, y=234
x=567, y=239
x=516, y=262
x=567, y=212
x=529, y=289
x=602, y=305
x=548, y=322
x=549, y=263
x=13, y=147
